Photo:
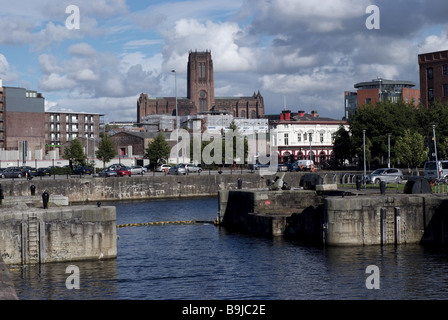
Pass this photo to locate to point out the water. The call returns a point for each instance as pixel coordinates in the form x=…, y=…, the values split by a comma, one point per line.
x=204, y=262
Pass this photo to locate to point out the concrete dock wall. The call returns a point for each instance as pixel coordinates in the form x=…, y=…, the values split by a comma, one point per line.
x=57, y=234
x=135, y=187
x=337, y=220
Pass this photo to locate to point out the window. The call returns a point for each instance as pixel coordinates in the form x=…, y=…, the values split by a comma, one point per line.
x=430, y=72
x=299, y=137
x=445, y=90
x=243, y=114
x=286, y=139
x=252, y=114
x=321, y=137
x=431, y=94
x=305, y=137
x=202, y=105
x=311, y=137
x=368, y=100
x=445, y=69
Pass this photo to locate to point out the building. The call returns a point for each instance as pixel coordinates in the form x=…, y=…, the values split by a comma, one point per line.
x=201, y=95
x=28, y=132
x=304, y=136
x=433, y=77
x=23, y=113
x=379, y=90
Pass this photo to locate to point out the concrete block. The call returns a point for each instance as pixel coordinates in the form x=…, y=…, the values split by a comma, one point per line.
x=326, y=187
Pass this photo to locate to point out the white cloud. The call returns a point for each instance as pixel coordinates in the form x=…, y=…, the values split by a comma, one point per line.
x=222, y=39
x=56, y=82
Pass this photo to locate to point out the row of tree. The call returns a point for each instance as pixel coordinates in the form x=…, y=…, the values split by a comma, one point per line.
x=409, y=130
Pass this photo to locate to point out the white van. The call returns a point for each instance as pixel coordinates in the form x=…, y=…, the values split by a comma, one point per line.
x=307, y=165
x=430, y=170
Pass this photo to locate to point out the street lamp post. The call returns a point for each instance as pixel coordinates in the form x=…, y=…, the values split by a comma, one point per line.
x=364, y=147
x=177, y=118
x=388, y=150
x=435, y=149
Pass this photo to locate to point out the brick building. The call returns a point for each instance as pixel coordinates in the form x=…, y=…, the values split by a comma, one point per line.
x=28, y=132
x=433, y=77
x=201, y=95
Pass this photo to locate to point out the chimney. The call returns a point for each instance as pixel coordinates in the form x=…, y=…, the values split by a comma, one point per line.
x=314, y=114
x=286, y=115
x=301, y=113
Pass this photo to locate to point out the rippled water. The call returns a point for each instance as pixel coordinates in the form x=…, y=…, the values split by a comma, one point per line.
x=202, y=262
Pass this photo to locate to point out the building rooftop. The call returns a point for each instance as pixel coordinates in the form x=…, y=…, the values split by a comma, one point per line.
x=375, y=84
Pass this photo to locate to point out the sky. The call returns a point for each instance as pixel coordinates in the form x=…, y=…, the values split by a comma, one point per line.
x=300, y=54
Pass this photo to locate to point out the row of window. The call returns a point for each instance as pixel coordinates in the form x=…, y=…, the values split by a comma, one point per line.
x=430, y=71
x=69, y=136
x=305, y=137
x=68, y=127
x=70, y=118
x=431, y=92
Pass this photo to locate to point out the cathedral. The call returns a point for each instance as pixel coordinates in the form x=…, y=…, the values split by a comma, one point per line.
x=201, y=96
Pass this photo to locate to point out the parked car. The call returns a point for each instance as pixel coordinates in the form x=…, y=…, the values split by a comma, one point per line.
x=430, y=170
x=163, y=168
x=82, y=170
x=44, y=172
x=176, y=169
x=124, y=171
x=301, y=165
x=282, y=167
x=107, y=173
x=192, y=168
x=386, y=175
x=137, y=170
x=12, y=172
x=258, y=166
x=28, y=170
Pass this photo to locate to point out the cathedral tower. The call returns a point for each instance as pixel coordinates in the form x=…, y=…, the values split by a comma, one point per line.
x=201, y=86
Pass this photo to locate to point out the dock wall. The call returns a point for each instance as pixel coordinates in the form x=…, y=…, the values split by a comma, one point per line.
x=37, y=235
x=133, y=188
x=337, y=220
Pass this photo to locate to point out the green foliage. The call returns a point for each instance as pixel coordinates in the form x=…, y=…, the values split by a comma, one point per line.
x=75, y=152
x=342, y=145
x=410, y=149
x=106, y=150
x=158, y=150
x=394, y=119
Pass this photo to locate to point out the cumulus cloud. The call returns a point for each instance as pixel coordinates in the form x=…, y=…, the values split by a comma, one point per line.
x=222, y=39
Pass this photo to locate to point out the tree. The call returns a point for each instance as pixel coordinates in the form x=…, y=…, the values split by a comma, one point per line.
x=75, y=152
x=342, y=145
x=410, y=149
x=158, y=150
x=106, y=150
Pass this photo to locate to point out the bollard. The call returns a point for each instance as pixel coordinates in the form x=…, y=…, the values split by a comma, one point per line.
x=45, y=198
x=383, y=187
x=240, y=184
x=358, y=183
x=98, y=204
x=33, y=190
x=1, y=194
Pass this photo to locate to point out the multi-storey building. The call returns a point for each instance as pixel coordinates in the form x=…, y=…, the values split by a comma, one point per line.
x=304, y=136
x=379, y=90
x=201, y=95
x=433, y=77
x=28, y=132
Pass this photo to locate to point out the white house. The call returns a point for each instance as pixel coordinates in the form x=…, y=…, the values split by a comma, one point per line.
x=304, y=136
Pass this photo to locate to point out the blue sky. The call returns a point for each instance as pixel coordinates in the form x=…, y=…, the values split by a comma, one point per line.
x=305, y=52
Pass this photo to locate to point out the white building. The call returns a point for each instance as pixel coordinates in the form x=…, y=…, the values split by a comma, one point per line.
x=303, y=135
